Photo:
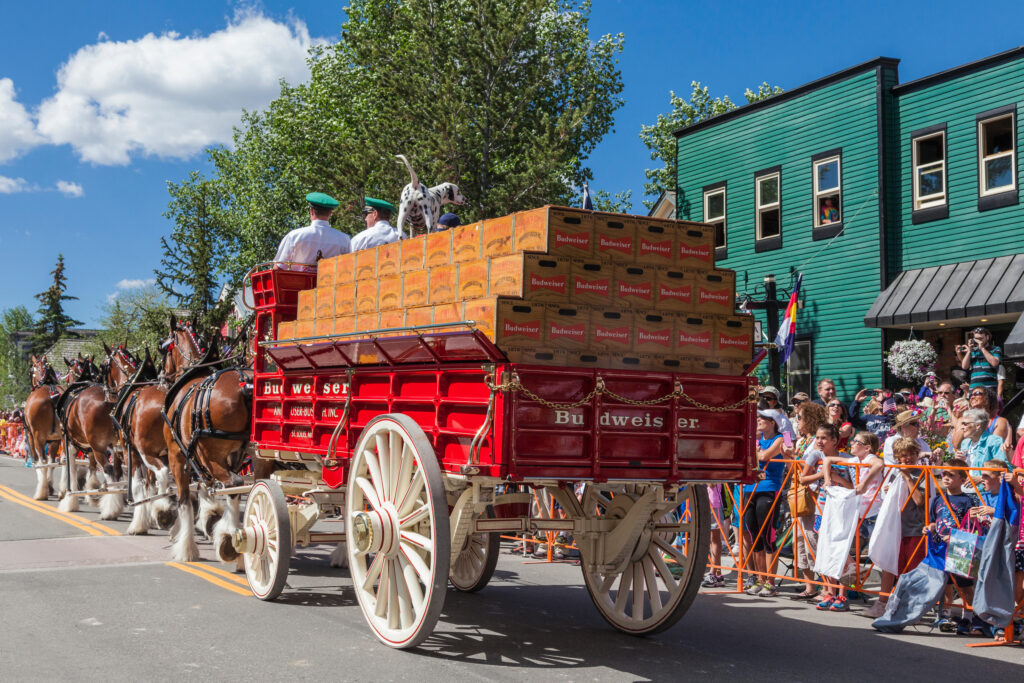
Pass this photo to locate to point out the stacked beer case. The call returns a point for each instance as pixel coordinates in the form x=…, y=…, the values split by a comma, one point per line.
x=551, y=286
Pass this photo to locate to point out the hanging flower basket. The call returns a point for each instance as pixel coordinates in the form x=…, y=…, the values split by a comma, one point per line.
x=911, y=360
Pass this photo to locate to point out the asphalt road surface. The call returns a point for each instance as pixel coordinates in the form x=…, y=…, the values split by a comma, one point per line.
x=81, y=601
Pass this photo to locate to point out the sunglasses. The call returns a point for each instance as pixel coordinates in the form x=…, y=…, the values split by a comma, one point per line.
x=835, y=405
x=976, y=393
x=367, y=212
x=861, y=442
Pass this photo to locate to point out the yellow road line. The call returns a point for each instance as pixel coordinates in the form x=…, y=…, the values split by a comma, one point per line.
x=56, y=515
x=220, y=572
x=190, y=568
x=66, y=516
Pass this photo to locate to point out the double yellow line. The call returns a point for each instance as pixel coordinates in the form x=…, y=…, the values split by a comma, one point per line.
x=215, y=575
x=88, y=526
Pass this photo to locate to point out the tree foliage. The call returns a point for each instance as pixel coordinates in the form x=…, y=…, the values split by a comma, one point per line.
x=195, y=254
x=137, y=318
x=506, y=98
x=15, y=378
x=659, y=137
x=53, y=323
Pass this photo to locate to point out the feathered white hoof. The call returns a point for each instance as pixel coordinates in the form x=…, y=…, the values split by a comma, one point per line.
x=111, y=506
x=184, y=548
x=210, y=513
x=68, y=504
x=42, y=483
x=92, y=482
x=224, y=530
x=339, y=557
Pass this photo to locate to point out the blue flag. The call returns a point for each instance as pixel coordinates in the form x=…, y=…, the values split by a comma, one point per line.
x=993, y=595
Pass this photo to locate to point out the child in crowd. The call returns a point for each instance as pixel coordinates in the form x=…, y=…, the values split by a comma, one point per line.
x=826, y=441
x=912, y=548
x=719, y=534
x=947, y=512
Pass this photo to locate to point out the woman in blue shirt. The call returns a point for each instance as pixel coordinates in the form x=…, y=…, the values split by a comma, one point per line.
x=759, y=518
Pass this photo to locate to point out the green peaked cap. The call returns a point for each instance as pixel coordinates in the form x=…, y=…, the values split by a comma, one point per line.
x=324, y=201
x=379, y=204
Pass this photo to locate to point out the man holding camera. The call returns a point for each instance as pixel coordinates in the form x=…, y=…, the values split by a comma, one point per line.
x=980, y=358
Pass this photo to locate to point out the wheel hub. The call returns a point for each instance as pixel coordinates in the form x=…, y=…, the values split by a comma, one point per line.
x=375, y=531
x=251, y=539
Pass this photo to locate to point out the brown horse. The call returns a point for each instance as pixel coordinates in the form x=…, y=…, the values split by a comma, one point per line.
x=181, y=350
x=84, y=412
x=140, y=433
x=42, y=430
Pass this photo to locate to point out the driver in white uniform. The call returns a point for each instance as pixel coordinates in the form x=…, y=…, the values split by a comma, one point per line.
x=376, y=214
x=318, y=239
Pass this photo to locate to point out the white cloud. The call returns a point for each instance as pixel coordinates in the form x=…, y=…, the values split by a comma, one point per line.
x=17, y=133
x=12, y=185
x=69, y=189
x=169, y=95
x=126, y=284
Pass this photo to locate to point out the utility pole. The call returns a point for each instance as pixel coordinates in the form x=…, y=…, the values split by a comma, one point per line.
x=771, y=306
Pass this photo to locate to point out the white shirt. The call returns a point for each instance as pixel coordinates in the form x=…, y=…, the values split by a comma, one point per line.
x=379, y=233
x=301, y=244
x=890, y=459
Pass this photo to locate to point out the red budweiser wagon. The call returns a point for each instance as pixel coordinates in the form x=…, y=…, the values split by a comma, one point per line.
x=415, y=436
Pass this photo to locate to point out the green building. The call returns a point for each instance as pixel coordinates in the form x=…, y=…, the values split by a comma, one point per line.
x=899, y=203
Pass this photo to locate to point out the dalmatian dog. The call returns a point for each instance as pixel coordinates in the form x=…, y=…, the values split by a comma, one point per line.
x=421, y=205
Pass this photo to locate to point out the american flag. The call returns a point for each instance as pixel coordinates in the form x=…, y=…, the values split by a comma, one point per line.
x=889, y=405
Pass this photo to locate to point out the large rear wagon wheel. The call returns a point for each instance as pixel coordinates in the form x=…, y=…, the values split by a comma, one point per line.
x=398, y=530
x=658, y=581
x=475, y=565
x=266, y=523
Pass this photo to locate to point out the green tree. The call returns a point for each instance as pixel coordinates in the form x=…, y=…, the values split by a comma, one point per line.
x=659, y=137
x=53, y=323
x=194, y=254
x=506, y=98
x=137, y=317
x=15, y=381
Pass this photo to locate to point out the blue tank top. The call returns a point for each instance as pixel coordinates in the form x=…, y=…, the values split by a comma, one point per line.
x=773, y=470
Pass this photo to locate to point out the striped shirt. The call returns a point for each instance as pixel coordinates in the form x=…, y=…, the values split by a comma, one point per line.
x=983, y=374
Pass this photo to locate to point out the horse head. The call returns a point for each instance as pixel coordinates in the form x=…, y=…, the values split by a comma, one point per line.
x=181, y=348
x=42, y=372
x=118, y=367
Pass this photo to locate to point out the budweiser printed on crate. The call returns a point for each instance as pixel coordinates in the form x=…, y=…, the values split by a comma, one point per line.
x=366, y=264
x=656, y=242
x=612, y=330
x=634, y=285
x=344, y=269
x=507, y=321
x=411, y=253
x=695, y=246
x=325, y=269
x=534, y=277
x=591, y=282
x=654, y=332
x=442, y=284
x=438, y=250
x=467, y=243
x=307, y=304
x=414, y=288
x=389, y=259
x=472, y=279
x=497, y=237
x=567, y=326
x=694, y=335
x=324, y=302
x=615, y=237
x=366, y=296
x=734, y=337
x=673, y=290
x=389, y=292
x=555, y=231
x=715, y=291
x=345, y=299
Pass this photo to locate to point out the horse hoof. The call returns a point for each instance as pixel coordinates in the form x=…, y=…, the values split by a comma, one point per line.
x=211, y=522
x=165, y=519
x=226, y=550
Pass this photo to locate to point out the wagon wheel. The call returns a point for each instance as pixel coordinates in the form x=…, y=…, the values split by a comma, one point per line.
x=397, y=523
x=657, y=583
x=267, y=558
x=474, y=566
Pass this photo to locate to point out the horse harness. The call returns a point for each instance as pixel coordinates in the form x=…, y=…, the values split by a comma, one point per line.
x=63, y=406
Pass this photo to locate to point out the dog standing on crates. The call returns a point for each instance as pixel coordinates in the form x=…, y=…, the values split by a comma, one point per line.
x=421, y=205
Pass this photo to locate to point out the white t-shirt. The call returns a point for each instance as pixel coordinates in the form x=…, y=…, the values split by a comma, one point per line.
x=887, y=449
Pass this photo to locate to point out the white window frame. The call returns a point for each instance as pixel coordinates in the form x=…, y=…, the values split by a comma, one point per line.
x=800, y=372
x=1012, y=153
x=773, y=206
x=708, y=194
x=820, y=194
x=937, y=199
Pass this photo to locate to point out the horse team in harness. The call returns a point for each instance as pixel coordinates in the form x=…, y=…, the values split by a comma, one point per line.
x=139, y=427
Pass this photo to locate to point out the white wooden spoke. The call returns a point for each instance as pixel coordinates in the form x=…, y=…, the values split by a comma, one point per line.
x=415, y=517
x=412, y=582
x=374, y=571
x=267, y=529
x=395, y=611
x=652, y=584
x=373, y=465
x=412, y=493
x=396, y=452
x=670, y=549
x=418, y=540
x=369, y=491
x=404, y=474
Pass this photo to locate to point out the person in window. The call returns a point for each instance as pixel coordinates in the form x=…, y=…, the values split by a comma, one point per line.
x=829, y=212
x=981, y=359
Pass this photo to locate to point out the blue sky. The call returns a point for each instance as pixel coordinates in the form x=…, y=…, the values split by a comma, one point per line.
x=102, y=103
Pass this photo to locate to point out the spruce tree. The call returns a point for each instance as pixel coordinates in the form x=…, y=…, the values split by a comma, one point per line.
x=53, y=324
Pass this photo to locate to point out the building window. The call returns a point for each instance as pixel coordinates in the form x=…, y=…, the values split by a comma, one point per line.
x=769, y=218
x=828, y=194
x=929, y=153
x=997, y=158
x=714, y=213
x=799, y=368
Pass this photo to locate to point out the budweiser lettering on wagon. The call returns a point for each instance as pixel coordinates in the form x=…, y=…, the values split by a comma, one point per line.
x=622, y=419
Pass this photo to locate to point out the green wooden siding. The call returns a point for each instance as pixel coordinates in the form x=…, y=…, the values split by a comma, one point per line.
x=967, y=234
x=840, y=283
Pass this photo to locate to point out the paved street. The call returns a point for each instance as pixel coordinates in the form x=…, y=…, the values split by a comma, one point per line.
x=83, y=602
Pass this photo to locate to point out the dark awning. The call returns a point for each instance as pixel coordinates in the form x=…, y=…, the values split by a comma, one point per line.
x=1014, y=346
x=971, y=289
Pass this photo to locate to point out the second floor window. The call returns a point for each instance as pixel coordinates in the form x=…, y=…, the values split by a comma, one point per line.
x=714, y=213
x=769, y=218
x=996, y=140
x=929, y=170
x=828, y=192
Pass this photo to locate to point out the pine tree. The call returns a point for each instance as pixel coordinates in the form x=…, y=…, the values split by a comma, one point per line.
x=53, y=324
